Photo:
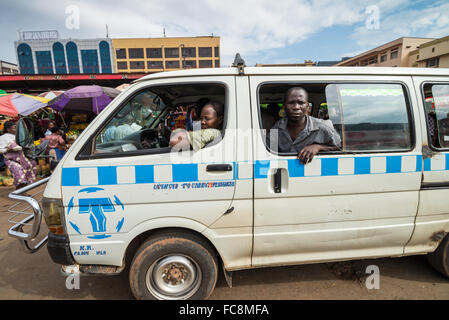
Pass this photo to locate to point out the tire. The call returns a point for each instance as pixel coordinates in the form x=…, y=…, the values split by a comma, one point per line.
x=175, y=266
x=439, y=259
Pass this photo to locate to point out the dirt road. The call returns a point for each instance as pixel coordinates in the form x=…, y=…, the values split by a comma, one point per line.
x=35, y=276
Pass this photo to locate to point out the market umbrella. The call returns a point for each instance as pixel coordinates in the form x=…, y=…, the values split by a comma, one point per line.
x=20, y=104
x=84, y=99
x=50, y=94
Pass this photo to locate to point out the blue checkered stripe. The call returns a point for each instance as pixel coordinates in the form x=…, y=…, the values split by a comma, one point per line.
x=166, y=173
x=343, y=166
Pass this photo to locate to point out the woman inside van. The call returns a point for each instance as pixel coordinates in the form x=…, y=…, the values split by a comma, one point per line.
x=211, y=120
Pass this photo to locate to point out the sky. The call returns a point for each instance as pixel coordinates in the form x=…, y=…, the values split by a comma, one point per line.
x=262, y=31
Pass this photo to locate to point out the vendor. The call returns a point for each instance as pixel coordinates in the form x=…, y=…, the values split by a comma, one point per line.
x=22, y=169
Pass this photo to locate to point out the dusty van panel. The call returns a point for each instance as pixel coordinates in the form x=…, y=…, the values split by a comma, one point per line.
x=432, y=221
x=356, y=203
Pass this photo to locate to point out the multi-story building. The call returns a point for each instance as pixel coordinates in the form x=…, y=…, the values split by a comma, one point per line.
x=392, y=54
x=163, y=54
x=43, y=52
x=7, y=68
x=432, y=54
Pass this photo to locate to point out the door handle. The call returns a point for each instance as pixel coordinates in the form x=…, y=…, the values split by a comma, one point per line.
x=219, y=167
x=278, y=181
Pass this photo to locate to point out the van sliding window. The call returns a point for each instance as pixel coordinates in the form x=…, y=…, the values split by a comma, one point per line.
x=369, y=117
x=436, y=105
x=146, y=122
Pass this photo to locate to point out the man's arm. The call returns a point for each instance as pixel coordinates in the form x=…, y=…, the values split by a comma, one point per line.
x=308, y=152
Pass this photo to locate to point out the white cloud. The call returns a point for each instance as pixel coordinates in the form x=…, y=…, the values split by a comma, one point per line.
x=251, y=27
x=245, y=26
x=431, y=21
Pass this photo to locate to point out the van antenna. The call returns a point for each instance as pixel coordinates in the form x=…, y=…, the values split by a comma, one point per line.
x=239, y=63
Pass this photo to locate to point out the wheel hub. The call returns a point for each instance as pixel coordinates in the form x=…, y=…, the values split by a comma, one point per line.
x=174, y=275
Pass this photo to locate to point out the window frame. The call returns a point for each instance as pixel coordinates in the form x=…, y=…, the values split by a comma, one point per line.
x=89, y=145
x=423, y=97
x=408, y=104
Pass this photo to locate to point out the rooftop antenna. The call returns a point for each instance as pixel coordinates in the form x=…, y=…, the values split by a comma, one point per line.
x=239, y=63
x=164, y=33
x=107, y=31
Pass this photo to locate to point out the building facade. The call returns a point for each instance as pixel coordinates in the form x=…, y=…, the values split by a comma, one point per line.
x=151, y=55
x=432, y=54
x=392, y=54
x=46, y=53
x=7, y=68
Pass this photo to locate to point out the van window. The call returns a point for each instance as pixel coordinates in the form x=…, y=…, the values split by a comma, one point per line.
x=145, y=122
x=368, y=117
x=436, y=104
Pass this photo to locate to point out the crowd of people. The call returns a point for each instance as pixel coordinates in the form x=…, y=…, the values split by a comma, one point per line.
x=12, y=156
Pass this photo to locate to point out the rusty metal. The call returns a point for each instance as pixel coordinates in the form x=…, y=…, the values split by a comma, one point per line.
x=427, y=152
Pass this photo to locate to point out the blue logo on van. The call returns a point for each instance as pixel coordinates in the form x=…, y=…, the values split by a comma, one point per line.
x=101, y=211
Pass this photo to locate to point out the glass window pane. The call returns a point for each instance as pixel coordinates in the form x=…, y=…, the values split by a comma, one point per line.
x=154, y=65
x=126, y=131
x=172, y=64
x=171, y=52
x=374, y=116
x=205, y=52
x=154, y=52
x=437, y=110
x=120, y=53
x=135, y=53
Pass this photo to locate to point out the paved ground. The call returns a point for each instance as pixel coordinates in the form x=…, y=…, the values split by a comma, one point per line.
x=35, y=276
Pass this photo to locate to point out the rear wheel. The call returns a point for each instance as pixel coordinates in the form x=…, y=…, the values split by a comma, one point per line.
x=173, y=267
x=439, y=259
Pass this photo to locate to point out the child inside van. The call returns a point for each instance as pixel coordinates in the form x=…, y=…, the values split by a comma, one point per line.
x=181, y=139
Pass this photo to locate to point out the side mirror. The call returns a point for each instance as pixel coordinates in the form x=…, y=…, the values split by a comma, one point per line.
x=53, y=164
x=25, y=133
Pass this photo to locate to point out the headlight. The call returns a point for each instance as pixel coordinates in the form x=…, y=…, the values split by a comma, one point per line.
x=53, y=212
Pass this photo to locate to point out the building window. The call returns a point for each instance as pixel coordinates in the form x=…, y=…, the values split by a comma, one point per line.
x=188, y=52
x=217, y=63
x=72, y=57
x=172, y=64
x=154, y=52
x=205, y=52
x=433, y=50
x=122, y=65
x=25, y=59
x=120, y=53
x=135, y=53
x=383, y=57
x=433, y=62
x=171, y=52
x=43, y=60
x=217, y=52
x=189, y=64
x=155, y=65
x=105, y=57
x=133, y=65
x=394, y=54
x=205, y=63
x=90, y=61
x=417, y=57
x=59, y=58
x=372, y=60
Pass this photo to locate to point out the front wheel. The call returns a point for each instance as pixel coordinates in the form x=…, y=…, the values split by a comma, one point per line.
x=173, y=267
